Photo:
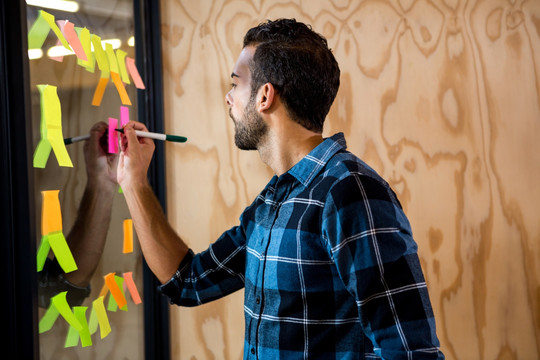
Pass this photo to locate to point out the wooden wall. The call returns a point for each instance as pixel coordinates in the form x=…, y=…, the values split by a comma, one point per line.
x=441, y=97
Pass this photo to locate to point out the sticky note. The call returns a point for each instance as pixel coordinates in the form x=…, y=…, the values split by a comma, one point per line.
x=112, y=306
x=73, y=40
x=61, y=24
x=72, y=337
x=128, y=236
x=100, y=90
x=93, y=321
x=51, y=130
x=113, y=136
x=111, y=57
x=132, y=288
x=42, y=252
x=62, y=252
x=120, y=88
x=52, y=24
x=120, y=282
x=121, y=58
x=132, y=69
x=48, y=319
x=40, y=29
x=101, y=56
x=51, y=214
x=101, y=313
x=124, y=115
x=84, y=333
x=63, y=308
x=84, y=38
x=115, y=290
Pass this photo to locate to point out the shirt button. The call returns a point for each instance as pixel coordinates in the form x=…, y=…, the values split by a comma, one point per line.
x=253, y=351
x=258, y=300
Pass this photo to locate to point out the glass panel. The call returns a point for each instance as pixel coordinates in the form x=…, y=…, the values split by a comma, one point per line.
x=75, y=86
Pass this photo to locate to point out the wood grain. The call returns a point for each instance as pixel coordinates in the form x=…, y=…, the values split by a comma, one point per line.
x=441, y=97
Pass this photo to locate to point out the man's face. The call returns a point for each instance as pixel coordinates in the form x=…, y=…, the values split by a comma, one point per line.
x=249, y=127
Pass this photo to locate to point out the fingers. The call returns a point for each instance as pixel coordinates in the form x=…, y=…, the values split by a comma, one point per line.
x=129, y=136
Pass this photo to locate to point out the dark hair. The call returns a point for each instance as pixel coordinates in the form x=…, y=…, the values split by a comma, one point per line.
x=298, y=63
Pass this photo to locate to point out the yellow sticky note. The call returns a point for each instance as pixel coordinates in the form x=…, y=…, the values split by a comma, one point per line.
x=101, y=56
x=120, y=88
x=115, y=290
x=63, y=308
x=101, y=313
x=84, y=38
x=121, y=57
x=128, y=236
x=132, y=288
x=111, y=56
x=52, y=24
x=62, y=252
x=48, y=319
x=51, y=129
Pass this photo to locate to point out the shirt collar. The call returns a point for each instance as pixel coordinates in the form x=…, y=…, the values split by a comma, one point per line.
x=307, y=168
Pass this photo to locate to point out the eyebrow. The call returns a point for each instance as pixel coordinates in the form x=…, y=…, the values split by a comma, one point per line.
x=234, y=75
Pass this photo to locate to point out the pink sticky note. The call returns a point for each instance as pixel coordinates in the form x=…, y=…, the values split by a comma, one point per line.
x=113, y=136
x=73, y=40
x=132, y=69
x=128, y=278
x=124, y=115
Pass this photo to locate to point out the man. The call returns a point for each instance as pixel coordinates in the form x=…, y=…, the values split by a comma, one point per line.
x=87, y=237
x=325, y=252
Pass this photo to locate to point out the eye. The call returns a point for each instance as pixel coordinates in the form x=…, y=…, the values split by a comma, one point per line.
x=233, y=85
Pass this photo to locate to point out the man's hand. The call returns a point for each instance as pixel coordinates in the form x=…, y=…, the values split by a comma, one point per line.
x=135, y=157
x=101, y=166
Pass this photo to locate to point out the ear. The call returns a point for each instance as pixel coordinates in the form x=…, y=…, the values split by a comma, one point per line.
x=266, y=97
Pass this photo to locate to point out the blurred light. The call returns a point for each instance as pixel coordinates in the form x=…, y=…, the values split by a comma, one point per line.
x=60, y=50
x=35, y=54
x=62, y=5
x=131, y=41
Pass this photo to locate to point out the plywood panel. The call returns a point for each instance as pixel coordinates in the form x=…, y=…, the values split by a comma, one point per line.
x=441, y=97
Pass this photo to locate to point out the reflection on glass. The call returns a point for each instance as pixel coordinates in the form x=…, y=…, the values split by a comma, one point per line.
x=92, y=207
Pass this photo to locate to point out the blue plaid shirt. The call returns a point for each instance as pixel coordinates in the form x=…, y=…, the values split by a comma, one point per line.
x=329, y=266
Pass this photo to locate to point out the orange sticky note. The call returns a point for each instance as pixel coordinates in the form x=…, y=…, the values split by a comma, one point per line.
x=128, y=278
x=128, y=236
x=51, y=215
x=132, y=69
x=116, y=292
x=100, y=90
x=120, y=88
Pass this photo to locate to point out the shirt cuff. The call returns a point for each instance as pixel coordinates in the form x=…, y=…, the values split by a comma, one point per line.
x=173, y=288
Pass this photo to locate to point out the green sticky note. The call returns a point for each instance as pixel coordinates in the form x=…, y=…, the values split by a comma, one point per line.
x=72, y=337
x=101, y=313
x=112, y=306
x=61, y=304
x=93, y=321
x=42, y=252
x=101, y=56
x=121, y=58
x=84, y=333
x=48, y=319
x=62, y=252
x=120, y=281
x=38, y=32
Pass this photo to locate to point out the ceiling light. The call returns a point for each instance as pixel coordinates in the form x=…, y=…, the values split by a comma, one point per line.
x=35, y=54
x=131, y=41
x=62, y=5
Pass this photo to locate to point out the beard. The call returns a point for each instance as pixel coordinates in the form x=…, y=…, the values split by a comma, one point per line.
x=249, y=132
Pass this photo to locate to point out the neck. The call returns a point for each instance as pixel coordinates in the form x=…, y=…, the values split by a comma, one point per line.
x=286, y=145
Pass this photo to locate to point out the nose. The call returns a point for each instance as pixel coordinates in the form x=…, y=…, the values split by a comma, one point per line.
x=228, y=98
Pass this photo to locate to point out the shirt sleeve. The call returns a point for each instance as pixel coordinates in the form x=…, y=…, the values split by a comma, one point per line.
x=211, y=274
x=370, y=241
